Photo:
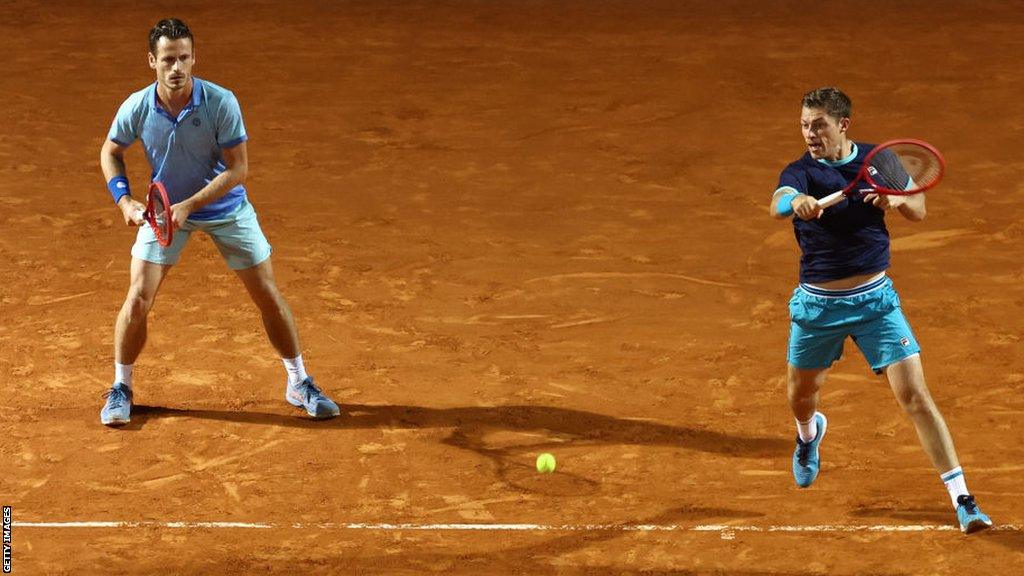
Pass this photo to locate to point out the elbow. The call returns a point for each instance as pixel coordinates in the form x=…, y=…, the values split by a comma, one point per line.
x=111, y=151
x=106, y=152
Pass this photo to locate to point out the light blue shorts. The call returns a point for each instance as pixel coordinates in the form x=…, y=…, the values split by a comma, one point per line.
x=820, y=320
x=238, y=237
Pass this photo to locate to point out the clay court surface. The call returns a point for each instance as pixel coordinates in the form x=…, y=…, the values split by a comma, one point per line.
x=505, y=229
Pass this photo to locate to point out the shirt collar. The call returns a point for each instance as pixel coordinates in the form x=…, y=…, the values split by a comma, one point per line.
x=842, y=161
x=197, y=95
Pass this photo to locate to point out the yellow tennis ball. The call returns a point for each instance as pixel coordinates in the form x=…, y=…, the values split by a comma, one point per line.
x=546, y=463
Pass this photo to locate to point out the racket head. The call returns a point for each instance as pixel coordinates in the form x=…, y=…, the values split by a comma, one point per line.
x=158, y=214
x=903, y=167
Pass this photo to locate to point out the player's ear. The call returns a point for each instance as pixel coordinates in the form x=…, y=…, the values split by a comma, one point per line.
x=844, y=125
x=152, y=60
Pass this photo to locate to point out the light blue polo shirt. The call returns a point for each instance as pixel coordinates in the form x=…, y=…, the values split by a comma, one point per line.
x=185, y=152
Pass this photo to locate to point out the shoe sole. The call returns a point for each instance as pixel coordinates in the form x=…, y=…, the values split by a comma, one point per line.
x=975, y=527
x=115, y=423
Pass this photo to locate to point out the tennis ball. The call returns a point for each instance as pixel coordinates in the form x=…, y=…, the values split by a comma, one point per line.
x=545, y=463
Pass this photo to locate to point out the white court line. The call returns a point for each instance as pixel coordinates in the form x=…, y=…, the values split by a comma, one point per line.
x=724, y=529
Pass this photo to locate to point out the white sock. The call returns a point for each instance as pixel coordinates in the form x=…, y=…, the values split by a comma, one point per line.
x=807, y=430
x=296, y=371
x=123, y=374
x=955, y=483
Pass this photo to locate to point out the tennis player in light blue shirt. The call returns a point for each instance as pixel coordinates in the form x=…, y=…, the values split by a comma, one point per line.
x=178, y=147
x=195, y=141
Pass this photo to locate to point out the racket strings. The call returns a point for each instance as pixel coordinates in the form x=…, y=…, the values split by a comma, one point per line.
x=159, y=211
x=906, y=167
x=160, y=217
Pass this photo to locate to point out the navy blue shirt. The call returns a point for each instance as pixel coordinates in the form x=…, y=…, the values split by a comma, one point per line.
x=850, y=238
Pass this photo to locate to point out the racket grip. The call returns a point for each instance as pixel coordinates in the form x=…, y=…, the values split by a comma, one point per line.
x=831, y=200
x=139, y=215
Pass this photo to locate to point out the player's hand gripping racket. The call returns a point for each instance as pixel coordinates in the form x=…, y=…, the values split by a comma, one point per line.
x=897, y=167
x=158, y=214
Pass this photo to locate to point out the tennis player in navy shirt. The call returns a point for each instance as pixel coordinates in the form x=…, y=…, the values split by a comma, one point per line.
x=193, y=136
x=844, y=291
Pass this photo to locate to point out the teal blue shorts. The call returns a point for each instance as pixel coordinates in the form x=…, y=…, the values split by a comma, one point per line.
x=238, y=237
x=820, y=321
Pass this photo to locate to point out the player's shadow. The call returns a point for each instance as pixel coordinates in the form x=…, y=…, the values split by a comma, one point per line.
x=561, y=424
x=473, y=429
x=942, y=515
x=931, y=515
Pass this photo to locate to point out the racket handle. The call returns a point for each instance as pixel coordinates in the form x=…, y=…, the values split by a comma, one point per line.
x=139, y=215
x=831, y=200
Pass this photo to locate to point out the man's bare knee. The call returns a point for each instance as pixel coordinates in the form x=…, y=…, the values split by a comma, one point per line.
x=915, y=402
x=138, y=304
x=803, y=383
x=269, y=299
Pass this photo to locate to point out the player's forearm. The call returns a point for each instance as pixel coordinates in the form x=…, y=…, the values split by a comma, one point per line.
x=112, y=165
x=914, y=208
x=218, y=187
x=787, y=202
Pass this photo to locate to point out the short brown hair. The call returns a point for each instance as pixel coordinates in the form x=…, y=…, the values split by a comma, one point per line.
x=830, y=99
x=170, y=28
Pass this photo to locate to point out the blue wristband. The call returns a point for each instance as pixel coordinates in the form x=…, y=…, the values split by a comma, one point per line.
x=118, y=186
x=784, y=207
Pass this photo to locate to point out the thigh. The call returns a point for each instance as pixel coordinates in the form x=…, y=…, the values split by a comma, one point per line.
x=146, y=278
x=260, y=283
x=887, y=338
x=906, y=378
x=148, y=249
x=813, y=344
x=811, y=349
x=240, y=239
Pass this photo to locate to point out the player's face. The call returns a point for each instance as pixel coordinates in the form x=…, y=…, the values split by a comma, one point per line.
x=823, y=134
x=173, y=63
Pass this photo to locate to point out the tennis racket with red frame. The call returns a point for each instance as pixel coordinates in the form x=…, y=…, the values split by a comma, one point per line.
x=158, y=214
x=897, y=167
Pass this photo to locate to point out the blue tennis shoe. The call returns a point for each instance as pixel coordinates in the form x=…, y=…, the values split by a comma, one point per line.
x=971, y=518
x=117, y=410
x=306, y=395
x=806, y=458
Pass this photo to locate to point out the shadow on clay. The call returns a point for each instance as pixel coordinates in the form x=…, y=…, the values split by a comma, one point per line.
x=470, y=423
x=474, y=427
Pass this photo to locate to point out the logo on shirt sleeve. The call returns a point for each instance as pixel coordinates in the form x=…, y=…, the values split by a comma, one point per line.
x=196, y=122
